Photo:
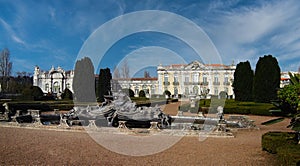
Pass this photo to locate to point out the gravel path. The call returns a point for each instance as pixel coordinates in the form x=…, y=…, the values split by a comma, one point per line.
x=45, y=147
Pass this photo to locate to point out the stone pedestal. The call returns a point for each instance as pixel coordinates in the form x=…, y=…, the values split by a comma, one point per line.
x=63, y=122
x=14, y=118
x=92, y=124
x=154, y=126
x=37, y=122
x=122, y=125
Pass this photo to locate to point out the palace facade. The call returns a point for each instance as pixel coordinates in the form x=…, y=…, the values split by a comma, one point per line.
x=54, y=81
x=196, y=79
x=193, y=79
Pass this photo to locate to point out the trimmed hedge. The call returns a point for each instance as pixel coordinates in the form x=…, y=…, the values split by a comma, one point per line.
x=289, y=154
x=284, y=145
x=236, y=107
x=43, y=106
x=272, y=140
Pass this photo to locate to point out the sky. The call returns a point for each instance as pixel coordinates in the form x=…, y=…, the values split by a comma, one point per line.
x=54, y=33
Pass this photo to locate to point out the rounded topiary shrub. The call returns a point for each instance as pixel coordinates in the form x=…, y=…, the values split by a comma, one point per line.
x=167, y=93
x=142, y=93
x=33, y=93
x=67, y=94
x=128, y=92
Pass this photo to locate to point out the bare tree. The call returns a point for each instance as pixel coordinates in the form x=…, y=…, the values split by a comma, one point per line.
x=125, y=70
x=147, y=74
x=5, y=64
x=5, y=67
x=116, y=73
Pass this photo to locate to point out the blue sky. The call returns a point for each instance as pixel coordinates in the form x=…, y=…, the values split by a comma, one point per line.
x=47, y=33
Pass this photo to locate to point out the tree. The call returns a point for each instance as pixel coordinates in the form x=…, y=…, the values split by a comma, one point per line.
x=295, y=78
x=267, y=79
x=128, y=92
x=243, y=82
x=142, y=93
x=5, y=67
x=67, y=94
x=289, y=103
x=167, y=93
x=33, y=93
x=116, y=73
x=84, y=81
x=125, y=69
x=147, y=74
x=104, y=83
x=223, y=95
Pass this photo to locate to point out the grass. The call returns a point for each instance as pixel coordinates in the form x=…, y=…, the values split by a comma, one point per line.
x=273, y=121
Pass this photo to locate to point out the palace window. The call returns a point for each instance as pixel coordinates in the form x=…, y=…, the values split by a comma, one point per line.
x=175, y=91
x=186, y=78
x=47, y=87
x=68, y=85
x=216, y=78
x=175, y=77
x=187, y=91
x=216, y=91
x=56, y=88
x=166, y=78
x=226, y=89
x=195, y=90
x=152, y=89
x=195, y=77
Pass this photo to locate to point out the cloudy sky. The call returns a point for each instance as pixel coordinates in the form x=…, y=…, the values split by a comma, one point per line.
x=52, y=33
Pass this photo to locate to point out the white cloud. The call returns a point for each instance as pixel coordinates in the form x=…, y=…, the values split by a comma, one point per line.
x=248, y=32
x=12, y=33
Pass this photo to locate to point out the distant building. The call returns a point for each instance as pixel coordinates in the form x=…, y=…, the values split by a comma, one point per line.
x=285, y=78
x=193, y=79
x=196, y=79
x=54, y=81
x=149, y=85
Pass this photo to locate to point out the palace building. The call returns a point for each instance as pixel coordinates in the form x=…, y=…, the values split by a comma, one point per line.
x=54, y=81
x=196, y=79
x=193, y=79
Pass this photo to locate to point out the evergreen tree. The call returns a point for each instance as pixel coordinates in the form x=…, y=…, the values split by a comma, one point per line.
x=84, y=81
x=67, y=94
x=142, y=93
x=104, y=85
x=128, y=92
x=243, y=82
x=267, y=79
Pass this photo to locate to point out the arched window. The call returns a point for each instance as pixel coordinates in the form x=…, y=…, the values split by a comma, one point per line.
x=195, y=90
x=56, y=88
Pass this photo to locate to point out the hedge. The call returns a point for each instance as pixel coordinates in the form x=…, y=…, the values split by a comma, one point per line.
x=236, y=107
x=284, y=145
x=272, y=140
x=289, y=154
x=43, y=106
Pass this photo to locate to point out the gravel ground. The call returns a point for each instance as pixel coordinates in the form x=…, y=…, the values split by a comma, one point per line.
x=21, y=146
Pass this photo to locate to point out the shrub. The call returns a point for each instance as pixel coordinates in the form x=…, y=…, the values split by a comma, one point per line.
x=128, y=92
x=167, y=93
x=142, y=93
x=273, y=140
x=67, y=95
x=289, y=154
x=32, y=93
x=284, y=145
x=223, y=95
